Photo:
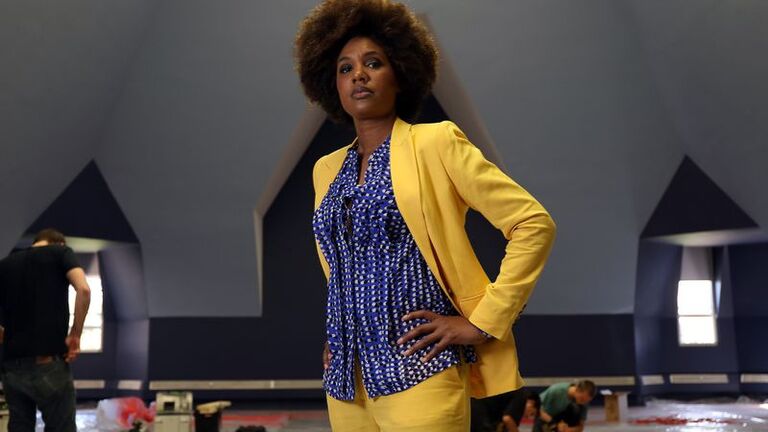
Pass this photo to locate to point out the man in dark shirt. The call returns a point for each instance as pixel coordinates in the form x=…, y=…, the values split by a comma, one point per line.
x=36, y=346
x=507, y=409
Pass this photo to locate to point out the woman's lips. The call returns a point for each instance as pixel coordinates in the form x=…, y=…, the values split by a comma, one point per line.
x=361, y=93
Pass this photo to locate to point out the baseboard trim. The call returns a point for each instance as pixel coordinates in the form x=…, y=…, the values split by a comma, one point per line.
x=698, y=379
x=598, y=380
x=754, y=378
x=134, y=385
x=237, y=385
x=649, y=380
x=90, y=384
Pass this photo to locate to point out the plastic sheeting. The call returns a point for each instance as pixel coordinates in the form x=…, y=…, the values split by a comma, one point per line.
x=724, y=416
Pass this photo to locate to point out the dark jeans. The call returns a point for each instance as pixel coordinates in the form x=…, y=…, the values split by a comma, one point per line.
x=48, y=387
x=482, y=420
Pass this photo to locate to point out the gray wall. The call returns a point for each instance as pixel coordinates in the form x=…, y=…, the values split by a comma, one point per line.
x=63, y=68
x=188, y=107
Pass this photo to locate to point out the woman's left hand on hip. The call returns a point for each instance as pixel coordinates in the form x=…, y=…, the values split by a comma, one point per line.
x=441, y=330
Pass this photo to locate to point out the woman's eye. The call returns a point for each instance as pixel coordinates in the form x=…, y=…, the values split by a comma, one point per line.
x=345, y=68
x=373, y=64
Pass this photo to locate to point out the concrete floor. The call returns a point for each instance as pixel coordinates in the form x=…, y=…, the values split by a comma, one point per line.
x=743, y=415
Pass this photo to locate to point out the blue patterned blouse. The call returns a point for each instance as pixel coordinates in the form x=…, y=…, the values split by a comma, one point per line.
x=377, y=275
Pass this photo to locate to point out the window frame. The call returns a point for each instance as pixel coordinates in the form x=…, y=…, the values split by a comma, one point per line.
x=91, y=278
x=713, y=316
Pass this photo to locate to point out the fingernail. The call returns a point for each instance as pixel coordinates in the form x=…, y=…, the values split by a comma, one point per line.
x=423, y=359
x=400, y=341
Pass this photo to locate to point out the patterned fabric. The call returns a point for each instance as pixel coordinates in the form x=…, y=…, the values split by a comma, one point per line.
x=377, y=275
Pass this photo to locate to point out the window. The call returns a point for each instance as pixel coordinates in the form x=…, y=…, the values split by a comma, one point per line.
x=696, y=315
x=93, y=329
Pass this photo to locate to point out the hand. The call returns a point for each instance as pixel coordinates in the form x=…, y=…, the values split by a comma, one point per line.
x=441, y=330
x=509, y=424
x=73, y=348
x=544, y=416
x=326, y=356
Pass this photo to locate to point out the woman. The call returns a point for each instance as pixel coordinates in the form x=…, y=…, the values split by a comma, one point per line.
x=413, y=323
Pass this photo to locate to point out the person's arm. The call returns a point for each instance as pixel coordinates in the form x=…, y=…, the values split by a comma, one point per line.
x=319, y=165
x=528, y=228
x=77, y=279
x=530, y=233
x=509, y=424
x=544, y=416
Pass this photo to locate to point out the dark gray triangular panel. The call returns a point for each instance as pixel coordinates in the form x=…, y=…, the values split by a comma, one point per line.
x=694, y=203
x=87, y=209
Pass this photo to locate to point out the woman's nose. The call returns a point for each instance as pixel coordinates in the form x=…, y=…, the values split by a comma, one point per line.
x=360, y=75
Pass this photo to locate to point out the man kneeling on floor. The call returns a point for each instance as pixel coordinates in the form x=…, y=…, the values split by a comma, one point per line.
x=564, y=407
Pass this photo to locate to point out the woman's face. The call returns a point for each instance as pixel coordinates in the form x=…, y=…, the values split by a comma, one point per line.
x=531, y=412
x=365, y=80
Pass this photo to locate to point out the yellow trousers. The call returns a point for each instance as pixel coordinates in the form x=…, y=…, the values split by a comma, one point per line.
x=441, y=403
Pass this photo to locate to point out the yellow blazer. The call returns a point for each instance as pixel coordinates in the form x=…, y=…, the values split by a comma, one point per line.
x=437, y=174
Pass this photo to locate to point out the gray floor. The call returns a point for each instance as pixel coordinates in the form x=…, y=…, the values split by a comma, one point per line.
x=742, y=415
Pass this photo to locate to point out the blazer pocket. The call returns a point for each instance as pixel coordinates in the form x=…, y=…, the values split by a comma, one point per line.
x=468, y=304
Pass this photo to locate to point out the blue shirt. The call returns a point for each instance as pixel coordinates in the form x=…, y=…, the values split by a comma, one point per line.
x=377, y=275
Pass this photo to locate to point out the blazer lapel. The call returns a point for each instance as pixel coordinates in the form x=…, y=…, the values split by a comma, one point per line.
x=332, y=166
x=406, y=185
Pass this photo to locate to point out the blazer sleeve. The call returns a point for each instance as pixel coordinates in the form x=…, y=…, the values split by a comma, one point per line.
x=528, y=228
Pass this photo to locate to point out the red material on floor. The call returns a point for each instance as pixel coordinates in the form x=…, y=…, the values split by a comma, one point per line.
x=679, y=421
x=272, y=420
x=275, y=419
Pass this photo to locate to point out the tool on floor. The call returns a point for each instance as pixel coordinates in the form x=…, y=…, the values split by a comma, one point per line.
x=208, y=416
x=174, y=412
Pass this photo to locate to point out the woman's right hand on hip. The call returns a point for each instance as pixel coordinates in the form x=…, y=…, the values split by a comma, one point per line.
x=326, y=356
